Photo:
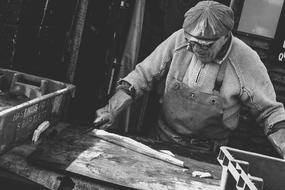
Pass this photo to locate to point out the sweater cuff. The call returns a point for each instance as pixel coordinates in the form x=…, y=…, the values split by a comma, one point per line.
x=276, y=127
x=126, y=87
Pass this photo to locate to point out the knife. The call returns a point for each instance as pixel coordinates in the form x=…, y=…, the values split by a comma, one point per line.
x=96, y=125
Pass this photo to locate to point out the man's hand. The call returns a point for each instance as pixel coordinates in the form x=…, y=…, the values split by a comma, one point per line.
x=104, y=118
x=277, y=139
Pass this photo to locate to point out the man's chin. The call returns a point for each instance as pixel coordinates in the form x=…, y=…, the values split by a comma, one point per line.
x=205, y=59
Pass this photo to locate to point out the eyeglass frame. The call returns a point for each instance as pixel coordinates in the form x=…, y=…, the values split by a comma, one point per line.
x=209, y=42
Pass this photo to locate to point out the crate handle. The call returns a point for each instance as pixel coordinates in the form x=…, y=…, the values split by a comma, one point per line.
x=40, y=129
x=30, y=86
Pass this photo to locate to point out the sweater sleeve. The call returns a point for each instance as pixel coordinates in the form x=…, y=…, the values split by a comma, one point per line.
x=152, y=67
x=258, y=93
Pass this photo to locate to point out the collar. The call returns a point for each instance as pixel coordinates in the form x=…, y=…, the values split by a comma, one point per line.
x=225, y=51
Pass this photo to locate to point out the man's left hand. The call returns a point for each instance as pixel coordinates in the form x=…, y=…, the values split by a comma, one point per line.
x=277, y=139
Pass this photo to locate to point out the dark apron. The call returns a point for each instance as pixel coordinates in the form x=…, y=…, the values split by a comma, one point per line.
x=189, y=115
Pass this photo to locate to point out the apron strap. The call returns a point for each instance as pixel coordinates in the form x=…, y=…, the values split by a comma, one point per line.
x=219, y=79
x=220, y=76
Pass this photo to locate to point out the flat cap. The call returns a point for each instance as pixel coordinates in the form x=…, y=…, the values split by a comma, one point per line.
x=208, y=20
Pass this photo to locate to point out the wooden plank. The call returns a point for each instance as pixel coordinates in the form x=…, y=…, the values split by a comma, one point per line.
x=15, y=161
x=101, y=160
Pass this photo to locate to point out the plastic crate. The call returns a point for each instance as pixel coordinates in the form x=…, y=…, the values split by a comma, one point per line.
x=25, y=102
x=250, y=171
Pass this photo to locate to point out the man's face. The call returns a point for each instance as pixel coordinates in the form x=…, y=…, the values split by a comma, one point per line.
x=206, y=51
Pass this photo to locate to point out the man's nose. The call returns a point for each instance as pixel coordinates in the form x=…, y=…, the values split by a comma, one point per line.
x=199, y=48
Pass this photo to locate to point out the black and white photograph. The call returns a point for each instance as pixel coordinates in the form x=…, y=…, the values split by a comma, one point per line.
x=142, y=94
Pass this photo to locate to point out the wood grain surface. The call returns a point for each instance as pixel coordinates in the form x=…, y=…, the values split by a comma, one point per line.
x=95, y=158
x=15, y=161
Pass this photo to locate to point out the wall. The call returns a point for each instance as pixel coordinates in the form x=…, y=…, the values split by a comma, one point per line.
x=35, y=36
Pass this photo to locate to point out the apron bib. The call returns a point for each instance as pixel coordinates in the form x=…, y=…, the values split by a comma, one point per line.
x=190, y=114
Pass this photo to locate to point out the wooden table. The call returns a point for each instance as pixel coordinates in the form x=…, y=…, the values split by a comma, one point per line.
x=92, y=163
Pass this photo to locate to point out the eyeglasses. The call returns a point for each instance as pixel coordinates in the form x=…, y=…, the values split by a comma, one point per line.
x=192, y=41
x=200, y=45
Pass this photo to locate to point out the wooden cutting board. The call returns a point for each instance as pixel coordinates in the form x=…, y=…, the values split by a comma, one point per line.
x=95, y=158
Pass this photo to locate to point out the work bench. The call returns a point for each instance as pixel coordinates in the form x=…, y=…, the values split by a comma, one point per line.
x=66, y=157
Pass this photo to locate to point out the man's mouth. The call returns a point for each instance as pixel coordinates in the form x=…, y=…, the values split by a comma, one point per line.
x=202, y=55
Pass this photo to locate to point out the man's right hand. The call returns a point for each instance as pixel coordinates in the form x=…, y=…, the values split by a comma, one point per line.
x=104, y=118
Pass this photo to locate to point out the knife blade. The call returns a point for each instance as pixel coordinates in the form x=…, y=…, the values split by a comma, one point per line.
x=96, y=125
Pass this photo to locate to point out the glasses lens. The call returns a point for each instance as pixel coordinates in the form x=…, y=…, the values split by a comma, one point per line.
x=203, y=46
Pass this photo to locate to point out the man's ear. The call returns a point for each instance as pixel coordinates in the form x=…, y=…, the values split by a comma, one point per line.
x=228, y=35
